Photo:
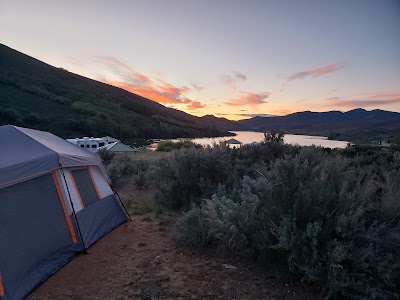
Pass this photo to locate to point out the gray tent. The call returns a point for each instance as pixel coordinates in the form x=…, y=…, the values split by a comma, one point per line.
x=55, y=201
x=118, y=147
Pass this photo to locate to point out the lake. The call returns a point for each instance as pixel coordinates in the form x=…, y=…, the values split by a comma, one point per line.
x=248, y=137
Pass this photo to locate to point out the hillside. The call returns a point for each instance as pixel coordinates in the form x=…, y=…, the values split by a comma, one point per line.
x=221, y=123
x=37, y=95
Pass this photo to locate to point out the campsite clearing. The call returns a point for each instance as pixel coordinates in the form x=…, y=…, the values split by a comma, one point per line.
x=139, y=260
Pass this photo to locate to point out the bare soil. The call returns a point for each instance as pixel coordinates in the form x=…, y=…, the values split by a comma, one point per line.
x=139, y=260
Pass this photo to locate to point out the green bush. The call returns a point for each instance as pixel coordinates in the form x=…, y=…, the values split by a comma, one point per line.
x=114, y=170
x=139, y=180
x=106, y=156
x=189, y=174
x=174, y=145
x=331, y=220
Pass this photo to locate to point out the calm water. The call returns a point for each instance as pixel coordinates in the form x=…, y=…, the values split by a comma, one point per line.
x=247, y=137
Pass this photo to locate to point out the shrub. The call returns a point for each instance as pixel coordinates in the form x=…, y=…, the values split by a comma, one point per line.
x=274, y=137
x=106, y=156
x=140, y=180
x=189, y=174
x=174, y=145
x=114, y=170
x=331, y=220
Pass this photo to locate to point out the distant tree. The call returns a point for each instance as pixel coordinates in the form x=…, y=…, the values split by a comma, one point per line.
x=274, y=137
x=8, y=116
x=32, y=119
x=333, y=136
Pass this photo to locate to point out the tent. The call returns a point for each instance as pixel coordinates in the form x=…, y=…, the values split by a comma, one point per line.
x=55, y=202
x=118, y=147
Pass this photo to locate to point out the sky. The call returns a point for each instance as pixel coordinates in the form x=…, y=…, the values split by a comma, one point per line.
x=230, y=58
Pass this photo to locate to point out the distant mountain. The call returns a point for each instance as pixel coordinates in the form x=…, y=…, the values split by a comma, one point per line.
x=221, y=123
x=36, y=95
x=358, y=125
x=330, y=120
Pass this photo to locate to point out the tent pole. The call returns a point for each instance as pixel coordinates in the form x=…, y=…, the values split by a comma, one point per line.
x=73, y=212
x=120, y=201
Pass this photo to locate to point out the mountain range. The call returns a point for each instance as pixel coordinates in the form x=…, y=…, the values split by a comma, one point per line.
x=37, y=95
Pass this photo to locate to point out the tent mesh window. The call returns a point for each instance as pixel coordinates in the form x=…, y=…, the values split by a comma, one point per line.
x=85, y=186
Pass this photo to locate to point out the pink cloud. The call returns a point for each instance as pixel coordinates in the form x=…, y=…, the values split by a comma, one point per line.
x=231, y=81
x=251, y=99
x=133, y=81
x=195, y=105
x=316, y=72
x=228, y=81
x=368, y=100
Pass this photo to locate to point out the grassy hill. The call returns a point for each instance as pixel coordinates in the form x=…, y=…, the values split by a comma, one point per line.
x=37, y=95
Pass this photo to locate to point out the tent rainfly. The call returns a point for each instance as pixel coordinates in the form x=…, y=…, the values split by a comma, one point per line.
x=55, y=201
x=118, y=147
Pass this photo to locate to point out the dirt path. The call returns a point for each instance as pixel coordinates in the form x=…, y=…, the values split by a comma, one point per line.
x=139, y=260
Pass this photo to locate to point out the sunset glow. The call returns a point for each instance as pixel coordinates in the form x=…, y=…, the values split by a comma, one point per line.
x=231, y=59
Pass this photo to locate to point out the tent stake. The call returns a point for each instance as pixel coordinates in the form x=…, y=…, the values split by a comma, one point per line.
x=120, y=201
x=73, y=212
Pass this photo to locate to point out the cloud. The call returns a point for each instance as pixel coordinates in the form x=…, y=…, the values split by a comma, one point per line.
x=195, y=105
x=282, y=112
x=133, y=81
x=247, y=115
x=231, y=81
x=251, y=99
x=197, y=87
x=240, y=76
x=365, y=100
x=333, y=98
x=316, y=72
x=228, y=81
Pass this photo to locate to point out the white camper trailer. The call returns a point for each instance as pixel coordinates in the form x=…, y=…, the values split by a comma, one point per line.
x=91, y=143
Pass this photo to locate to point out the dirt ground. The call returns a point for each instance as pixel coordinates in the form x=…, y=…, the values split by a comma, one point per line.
x=139, y=260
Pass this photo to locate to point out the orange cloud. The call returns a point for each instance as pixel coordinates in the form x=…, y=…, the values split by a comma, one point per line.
x=135, y=82
x=251, y=99
x=316, y=72
x=195, y=105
